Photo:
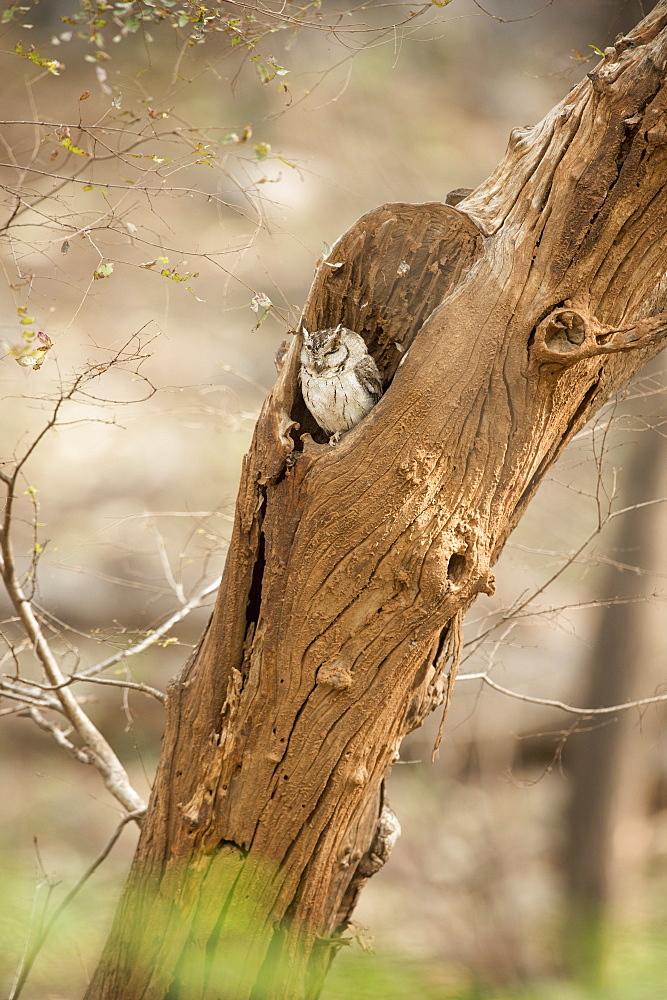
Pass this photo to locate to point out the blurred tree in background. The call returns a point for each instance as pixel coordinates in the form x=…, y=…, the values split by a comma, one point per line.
x=170, y=178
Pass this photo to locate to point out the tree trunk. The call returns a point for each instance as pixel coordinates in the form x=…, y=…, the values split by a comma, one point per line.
x=351, y=566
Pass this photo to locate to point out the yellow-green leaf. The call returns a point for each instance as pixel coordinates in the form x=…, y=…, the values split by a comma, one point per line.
x=68, y=144
x=52, y=65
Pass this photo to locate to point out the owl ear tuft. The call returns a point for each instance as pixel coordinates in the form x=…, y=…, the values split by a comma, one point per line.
x=339, y=328
x=306, y=334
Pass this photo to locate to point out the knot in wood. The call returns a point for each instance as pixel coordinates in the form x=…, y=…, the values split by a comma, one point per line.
x=336, y=674
x=570, y=334
x=565, y=336
x=622, y=42
x=358, y=776
x=519, y=135
x=564, y=331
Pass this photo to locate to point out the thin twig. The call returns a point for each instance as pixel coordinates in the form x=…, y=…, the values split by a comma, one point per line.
x=155, y=636
x=29, y=961
x=166, y=566
x=59, y=735
x=134, y=685
x=99, y=750
x=562, y=705
x=14, y=694
x=571, y=560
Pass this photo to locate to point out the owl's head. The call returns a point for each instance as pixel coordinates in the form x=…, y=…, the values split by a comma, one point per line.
x=326, y=350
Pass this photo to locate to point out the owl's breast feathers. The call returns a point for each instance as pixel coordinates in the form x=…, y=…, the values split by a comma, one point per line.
x=339, y=401
x=339, y=379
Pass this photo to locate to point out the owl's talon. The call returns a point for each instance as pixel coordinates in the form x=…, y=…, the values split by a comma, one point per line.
x=334, y=439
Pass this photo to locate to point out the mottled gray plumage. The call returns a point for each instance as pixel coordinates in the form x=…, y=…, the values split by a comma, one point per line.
x=339, y=379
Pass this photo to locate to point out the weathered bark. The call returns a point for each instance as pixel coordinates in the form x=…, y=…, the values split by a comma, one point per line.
x=350, y=566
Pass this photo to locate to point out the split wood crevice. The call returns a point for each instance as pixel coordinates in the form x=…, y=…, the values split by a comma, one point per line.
x=500, y=326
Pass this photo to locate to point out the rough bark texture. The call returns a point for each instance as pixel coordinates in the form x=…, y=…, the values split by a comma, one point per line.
x=350, y=566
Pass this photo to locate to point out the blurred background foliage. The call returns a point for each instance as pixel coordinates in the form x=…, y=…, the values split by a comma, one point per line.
x=168, y=186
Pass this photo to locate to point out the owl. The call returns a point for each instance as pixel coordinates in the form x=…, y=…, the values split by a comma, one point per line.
x=340, y=381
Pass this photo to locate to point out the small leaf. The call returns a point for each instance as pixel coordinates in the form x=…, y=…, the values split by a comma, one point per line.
x=68, y=144
x=33, y=55
x=264, y=73
x=262, y=150
x=65, y=247
x=33, y=360
x=85, y=95
x=103, y=271
x=596, y=50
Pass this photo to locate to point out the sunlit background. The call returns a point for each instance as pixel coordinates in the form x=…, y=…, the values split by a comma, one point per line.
x=183, y=237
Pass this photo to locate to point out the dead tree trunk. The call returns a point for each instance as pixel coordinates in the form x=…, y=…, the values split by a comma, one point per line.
x=350, y=566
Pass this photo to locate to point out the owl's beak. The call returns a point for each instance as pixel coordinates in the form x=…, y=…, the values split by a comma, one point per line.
x=318, y=366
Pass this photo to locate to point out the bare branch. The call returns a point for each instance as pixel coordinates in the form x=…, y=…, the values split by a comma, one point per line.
x=571, y=334
x=166, y=566
x=99, y=752
x=133, y=685
x=562, y=705
x=24, y=698
x=59, y=735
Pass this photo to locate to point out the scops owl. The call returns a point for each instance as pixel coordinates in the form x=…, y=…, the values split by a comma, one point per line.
x=340, y=381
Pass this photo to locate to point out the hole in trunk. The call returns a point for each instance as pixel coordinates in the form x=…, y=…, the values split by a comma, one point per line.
x=456, y=567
